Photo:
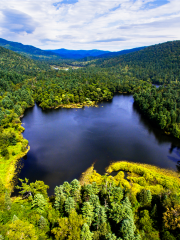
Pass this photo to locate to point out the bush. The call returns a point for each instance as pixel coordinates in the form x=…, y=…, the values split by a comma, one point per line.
x=5, y=152
x=23, y=148
x=13, y=153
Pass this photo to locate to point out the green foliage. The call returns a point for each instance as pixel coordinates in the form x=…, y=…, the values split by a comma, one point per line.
x=87, y=212
x=69, y=205
x=146, y=226
x=21, y=230
x=161, y=105
x=33, y=188
x=7, y=200
x=70, y=216
x=69, y=228
x=85, y=232
x=145, y=197
x=158, y=63
x=146, y=205
x=39, y=203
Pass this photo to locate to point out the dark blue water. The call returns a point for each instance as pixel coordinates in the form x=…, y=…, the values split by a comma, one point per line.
x=65, y=142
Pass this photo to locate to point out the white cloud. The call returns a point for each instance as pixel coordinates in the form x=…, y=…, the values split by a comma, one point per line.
x=89, y=24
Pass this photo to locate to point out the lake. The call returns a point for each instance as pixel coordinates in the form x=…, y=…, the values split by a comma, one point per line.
x=65, y=142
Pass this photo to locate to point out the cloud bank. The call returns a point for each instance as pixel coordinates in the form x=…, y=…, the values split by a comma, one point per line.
x=90, y=24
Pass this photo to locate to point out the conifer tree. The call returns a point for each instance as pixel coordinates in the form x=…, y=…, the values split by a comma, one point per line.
x=145, y=197
x=75, y=190
x=69, y=205
x=116, y=195
x=39, y=203
x=67, y=189
x=7, y=200
x=60, y=198
x=42, y=223
x=127, y=229
x=99, y=215
x=87, y=212
x=86, y=233
x=94, y=200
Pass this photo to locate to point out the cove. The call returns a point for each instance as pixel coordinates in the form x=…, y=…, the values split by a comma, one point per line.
x=65, y=142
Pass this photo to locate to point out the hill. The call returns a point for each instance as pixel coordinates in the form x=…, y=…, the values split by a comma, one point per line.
x=159, y=63
x=78, y=54
x=28, y=50
x=114, y=54
x=14, y=62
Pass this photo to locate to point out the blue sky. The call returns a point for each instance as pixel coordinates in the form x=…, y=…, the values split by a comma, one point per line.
x=90, y=24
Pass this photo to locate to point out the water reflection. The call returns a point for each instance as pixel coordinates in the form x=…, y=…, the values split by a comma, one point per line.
x=178, y=166
x=65, y=142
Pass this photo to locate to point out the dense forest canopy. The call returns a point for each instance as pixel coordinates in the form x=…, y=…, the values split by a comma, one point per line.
x=147, y=205
x=159, y=63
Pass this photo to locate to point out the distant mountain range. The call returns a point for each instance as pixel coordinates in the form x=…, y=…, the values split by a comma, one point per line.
x=28, y=50
x=78, y=54
x=37, y=53
x=91, y=54
x=119, y=53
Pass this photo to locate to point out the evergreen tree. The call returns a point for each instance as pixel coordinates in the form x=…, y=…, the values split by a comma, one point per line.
x=39, y=203
x=67, y=189
x=69, y=205
x=60, y=199
x=99, y=215
x=75, y=190
x=7, y=200
x=116, y=195
x=85, y=232
x=127, y=229
x=145, y=197
x=87, y=212
x=42, y=223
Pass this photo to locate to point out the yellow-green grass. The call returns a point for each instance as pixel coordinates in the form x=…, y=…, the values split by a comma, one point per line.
x=140, y=176
x=146, y=176
x=78, y=105
x=8, y=166
x=86, y=176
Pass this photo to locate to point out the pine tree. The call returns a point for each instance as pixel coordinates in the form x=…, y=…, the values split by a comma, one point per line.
x=67, y=189
x=42, y=223
x=60, y=199
x=127, y=229
x=39, y=203
x=69, y=205
x=121, y=212
x=87, y=212
x=145, y=197
x=111, y=236
x=94, y=200
x=116, y=195
x=76, y=190
x=7, y=200
x=99, y=215
x=85, y=232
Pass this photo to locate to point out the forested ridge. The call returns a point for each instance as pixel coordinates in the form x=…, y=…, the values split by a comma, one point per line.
x=159, y=63
x=27, y=50
x=146, y=206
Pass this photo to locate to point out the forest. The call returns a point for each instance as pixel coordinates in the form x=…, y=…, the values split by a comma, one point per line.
x=145, y=204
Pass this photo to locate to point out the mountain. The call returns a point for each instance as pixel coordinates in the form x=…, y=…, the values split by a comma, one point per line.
x=28, y=50
x=78, y=54
x=13, y=62
x=159, y=63
x=114, y=54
